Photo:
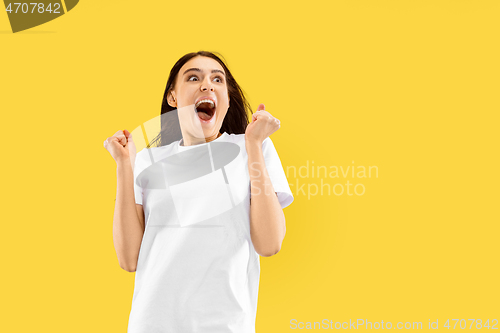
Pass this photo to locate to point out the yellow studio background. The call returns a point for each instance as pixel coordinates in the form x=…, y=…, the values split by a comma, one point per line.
x=408, y=88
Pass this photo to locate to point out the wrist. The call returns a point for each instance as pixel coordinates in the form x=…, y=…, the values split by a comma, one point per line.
x=253, y=144
x=123, y=163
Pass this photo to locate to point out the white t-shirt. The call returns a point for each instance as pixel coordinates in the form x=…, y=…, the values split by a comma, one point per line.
x=197, y=269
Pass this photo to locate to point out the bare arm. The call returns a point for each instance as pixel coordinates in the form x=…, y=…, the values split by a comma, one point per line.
x=267, y=220
x=128, y=219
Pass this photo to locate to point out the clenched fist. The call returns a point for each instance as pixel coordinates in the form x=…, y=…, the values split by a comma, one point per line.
x=121, y=146
x=263, y=125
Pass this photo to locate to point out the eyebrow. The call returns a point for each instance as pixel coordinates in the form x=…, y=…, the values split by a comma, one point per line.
x=199, y=70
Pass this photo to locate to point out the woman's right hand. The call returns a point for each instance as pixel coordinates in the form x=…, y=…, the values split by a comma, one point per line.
x=121, y=146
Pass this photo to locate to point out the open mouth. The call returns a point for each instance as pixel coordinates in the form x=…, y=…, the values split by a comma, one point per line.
x=205, y=109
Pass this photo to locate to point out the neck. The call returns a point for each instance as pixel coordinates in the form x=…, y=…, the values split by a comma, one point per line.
x=189, y=140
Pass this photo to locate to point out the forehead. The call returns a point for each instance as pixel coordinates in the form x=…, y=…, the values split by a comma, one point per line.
x=206, y=64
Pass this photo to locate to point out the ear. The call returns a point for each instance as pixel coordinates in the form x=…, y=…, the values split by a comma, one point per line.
x=171, y=99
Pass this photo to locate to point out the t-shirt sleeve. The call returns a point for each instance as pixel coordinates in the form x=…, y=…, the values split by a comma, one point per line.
x=138, y=191
x=276, y=173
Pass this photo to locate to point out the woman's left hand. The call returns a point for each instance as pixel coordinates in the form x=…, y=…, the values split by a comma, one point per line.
x=263, y=125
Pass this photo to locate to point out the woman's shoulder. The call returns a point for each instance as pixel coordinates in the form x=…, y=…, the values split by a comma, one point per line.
x=240, y=139
x=147, y=154
x=235, y=138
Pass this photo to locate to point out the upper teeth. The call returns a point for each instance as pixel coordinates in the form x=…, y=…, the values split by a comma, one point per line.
x=206, y=101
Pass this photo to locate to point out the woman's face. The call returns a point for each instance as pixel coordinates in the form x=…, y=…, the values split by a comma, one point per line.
x=201, y=97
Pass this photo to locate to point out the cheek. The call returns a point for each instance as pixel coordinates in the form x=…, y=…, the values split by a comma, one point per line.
x=222, y=115
x=186, y=95
x=226, y=103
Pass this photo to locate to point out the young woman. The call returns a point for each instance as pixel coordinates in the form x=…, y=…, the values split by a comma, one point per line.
x=209, y=200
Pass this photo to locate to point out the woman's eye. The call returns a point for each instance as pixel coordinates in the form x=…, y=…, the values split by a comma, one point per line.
x=195, y=77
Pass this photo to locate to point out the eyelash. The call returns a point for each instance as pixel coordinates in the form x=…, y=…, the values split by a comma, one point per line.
x=218, y=76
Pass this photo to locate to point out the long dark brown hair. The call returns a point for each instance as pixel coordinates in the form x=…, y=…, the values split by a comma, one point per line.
x=235, y=121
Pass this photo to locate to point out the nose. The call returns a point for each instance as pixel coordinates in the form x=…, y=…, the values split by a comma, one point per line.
x=207, y=85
